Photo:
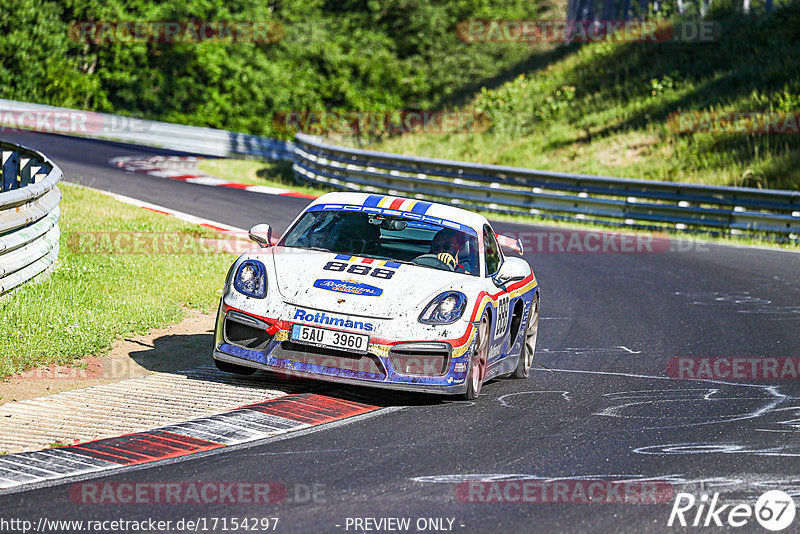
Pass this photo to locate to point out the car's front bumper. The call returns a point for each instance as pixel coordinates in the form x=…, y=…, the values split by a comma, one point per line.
x=377, y=368
x=449, y=389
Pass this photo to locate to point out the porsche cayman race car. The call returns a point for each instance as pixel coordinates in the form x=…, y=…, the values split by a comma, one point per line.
x=381, y=291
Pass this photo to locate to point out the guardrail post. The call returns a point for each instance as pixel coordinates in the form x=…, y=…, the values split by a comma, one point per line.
x=10, y=170
x=26, y=174
x=44, y=169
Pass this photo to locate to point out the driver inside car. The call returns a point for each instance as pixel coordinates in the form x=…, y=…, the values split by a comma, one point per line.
x=448, y=245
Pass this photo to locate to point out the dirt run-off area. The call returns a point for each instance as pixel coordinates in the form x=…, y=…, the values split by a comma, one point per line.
x=184, y=345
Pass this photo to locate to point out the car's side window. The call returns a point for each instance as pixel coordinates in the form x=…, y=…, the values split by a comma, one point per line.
x=492, y=251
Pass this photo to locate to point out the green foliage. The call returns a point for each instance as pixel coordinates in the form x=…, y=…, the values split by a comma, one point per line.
x=556, y=103
x=787, y=101
x=335, y=55
x=659, y=86
x=605, y=108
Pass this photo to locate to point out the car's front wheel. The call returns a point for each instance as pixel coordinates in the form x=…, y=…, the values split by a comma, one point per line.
x=479, y=360
x=529, y=346
x=227, y=367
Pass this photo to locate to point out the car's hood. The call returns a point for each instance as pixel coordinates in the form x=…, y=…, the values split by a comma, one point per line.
x=303, y=280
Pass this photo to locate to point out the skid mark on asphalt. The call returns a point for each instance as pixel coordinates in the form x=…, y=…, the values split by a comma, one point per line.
x=743, y=302
x=591, y=351
x=718, y=448
x=505, y=402
x=762, y=406
x=655, y=403
x=769, y=399
x=246, y=424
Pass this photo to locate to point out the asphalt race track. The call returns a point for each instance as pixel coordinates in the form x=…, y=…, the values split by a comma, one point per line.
x=600, y=405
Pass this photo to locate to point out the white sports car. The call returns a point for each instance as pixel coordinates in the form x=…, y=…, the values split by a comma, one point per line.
x=381, y=291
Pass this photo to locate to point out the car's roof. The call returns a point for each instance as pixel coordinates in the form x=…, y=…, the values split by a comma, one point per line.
x=404, y=204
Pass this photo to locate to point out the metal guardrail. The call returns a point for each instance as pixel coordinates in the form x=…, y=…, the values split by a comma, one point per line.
x=29, y=214
x=493, y=188
x=512, y=190
x=194, y=139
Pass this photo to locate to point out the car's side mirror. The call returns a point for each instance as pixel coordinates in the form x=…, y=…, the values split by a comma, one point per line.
x=512, y=270
x=261, y=234
x=509, y=243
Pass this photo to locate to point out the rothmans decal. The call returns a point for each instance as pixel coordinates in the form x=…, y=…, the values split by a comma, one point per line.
x=323, y=318
x=350, y=287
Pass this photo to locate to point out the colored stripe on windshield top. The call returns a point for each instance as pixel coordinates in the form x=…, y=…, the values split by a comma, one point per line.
x=416, y=214
x=396, y=203
x=376, y=263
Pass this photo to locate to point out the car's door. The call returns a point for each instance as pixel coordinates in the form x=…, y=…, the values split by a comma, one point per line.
x=493, y=259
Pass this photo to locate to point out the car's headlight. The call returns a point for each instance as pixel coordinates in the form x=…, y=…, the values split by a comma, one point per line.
x=445, y=309
x=251, y=279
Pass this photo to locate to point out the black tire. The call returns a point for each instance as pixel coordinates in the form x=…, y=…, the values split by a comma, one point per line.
x=479, y=360
x=227, y=367
x=523, y=369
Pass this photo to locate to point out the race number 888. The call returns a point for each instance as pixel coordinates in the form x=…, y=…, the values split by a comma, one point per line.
x=360, y=269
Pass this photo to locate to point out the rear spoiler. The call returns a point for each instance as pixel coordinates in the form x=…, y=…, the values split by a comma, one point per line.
x=510, y=243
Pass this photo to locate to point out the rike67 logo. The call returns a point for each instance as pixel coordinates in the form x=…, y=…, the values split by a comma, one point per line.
x=774, y=511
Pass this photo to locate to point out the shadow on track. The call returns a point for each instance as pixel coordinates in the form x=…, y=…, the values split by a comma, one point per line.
x=189, y=355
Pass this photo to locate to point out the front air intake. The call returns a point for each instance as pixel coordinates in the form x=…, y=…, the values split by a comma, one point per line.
x=245, y=331
x=422, y=359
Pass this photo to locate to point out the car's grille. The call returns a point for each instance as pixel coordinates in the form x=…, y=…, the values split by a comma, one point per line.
x=426, y=359
x=252, y=335
x=337, y=359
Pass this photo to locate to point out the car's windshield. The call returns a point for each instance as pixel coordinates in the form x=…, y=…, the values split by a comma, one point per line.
x=386, y=237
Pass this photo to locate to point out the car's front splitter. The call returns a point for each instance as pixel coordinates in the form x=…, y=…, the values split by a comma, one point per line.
x=446, y=385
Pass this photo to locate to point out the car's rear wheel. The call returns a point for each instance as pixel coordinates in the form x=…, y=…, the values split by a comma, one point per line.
x=479, y=360
x=529, y=346
x=227, y=367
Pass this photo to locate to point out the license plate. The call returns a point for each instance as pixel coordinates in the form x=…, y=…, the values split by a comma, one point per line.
x=322, y=337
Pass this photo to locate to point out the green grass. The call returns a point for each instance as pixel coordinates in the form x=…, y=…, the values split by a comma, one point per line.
x=603, y=108
x=90, y=298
